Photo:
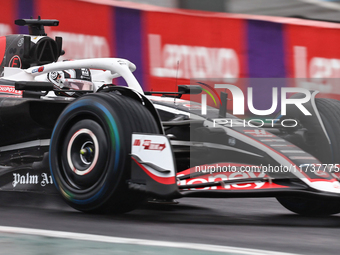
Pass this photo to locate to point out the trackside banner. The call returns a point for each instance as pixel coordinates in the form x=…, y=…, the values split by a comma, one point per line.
x=313, y=53
x=171, y=46
x=188, y=46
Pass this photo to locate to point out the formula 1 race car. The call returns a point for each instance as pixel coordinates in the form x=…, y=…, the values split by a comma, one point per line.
x=106, y=147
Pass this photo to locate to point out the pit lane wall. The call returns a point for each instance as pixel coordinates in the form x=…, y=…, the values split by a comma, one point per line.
x=165, y=43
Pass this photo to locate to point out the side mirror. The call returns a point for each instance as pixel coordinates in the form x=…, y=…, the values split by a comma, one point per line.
x=189, y=89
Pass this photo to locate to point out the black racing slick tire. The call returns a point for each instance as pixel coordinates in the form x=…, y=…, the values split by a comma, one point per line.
x=89, y=151
x=310, y=206
x=329, y=110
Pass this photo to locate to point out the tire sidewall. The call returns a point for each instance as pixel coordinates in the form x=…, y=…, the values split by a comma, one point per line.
x=98, y=109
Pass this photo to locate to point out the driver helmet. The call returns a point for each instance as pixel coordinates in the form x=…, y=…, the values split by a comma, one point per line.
x=71, y=79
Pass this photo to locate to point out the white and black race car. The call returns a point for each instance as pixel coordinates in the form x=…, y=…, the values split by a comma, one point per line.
x=106, y=148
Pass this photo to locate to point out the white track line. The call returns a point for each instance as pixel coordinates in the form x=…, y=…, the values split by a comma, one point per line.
x=145, y=242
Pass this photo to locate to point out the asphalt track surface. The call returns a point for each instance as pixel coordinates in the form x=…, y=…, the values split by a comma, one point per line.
x=248, y=223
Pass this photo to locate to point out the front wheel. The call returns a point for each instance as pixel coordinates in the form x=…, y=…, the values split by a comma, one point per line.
x=89, y=151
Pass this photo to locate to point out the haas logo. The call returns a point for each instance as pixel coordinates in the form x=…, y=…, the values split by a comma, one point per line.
x=15, y=62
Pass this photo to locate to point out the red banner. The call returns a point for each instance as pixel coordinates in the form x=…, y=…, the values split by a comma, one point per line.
x=192, y=46
x=176, y=45
x=7, y=17
x=313, y=54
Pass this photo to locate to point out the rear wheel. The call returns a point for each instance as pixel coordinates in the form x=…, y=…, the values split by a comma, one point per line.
x=329, y=110
x=310, y=206
x=89, y=151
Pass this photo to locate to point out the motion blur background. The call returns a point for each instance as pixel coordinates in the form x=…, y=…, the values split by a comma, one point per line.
x=312, y=9
x=229, y=39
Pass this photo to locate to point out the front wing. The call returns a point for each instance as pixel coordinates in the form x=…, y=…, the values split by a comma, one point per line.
x=154, y=171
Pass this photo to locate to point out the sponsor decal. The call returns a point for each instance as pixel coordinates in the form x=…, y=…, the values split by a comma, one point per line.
x=148, y=145
x=218, y=177
x=15, y=62
x=20, y=42
x=232, y=141
x=53, y=75
x=42, y=180
x=197, y=61
x=38, y=70
x=9, y=90
x=136, y=142
x=85, y=72
x=316, y=73
x=314, y=60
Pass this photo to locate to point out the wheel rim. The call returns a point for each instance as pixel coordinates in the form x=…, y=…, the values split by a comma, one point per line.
x=83, y=156
x=82, y=152
x=87, y=152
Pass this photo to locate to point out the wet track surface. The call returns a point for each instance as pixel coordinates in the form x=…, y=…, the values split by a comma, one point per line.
x=248, y=223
